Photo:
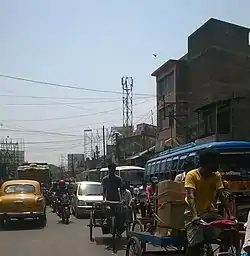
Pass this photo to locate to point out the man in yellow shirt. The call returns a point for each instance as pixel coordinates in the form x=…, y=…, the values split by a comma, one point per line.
x=203, y=187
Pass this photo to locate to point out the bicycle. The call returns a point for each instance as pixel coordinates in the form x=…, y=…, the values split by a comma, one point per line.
x=228, y=240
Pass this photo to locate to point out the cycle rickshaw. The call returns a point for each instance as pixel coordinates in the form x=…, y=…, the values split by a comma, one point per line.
x=104, y=215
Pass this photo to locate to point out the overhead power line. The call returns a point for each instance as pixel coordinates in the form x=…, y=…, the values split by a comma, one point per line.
x=59, y=103
x=67, y=117
x=41, y=132
x=69, y=98
x=50, y=142
x=64, y=85
x=59, y=118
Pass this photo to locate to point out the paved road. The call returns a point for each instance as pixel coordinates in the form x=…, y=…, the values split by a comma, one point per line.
x=55, y=239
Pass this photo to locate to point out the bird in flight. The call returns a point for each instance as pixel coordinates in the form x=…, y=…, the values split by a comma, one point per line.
x=155, y=55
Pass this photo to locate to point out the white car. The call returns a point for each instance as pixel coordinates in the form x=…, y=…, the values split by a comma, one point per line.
x=86, y=193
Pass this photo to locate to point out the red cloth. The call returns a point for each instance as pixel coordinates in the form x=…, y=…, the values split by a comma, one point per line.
x=222, y=223
x=150, y=192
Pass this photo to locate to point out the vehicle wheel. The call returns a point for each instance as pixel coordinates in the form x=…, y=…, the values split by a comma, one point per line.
x=67, y=221
x=63, y=218
x=2, y=224
x=113, y=232
x=91, y=227
x=133, y=247
x=42, y=220
x=137, y=226
x=77, y=215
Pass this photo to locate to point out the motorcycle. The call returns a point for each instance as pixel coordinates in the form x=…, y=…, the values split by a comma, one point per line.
x=64, y=209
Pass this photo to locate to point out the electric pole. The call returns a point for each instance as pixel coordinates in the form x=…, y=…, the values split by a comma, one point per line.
x=72, y=166
x=117, y=148
x=104, y=145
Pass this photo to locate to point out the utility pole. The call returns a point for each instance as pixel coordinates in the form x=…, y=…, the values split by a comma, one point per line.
x=62, y=166
x=117, y=148
x=72, y=166
x=104, y=145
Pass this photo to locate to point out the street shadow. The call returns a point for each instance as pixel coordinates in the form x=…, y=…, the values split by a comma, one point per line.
x=60, y=222
x=107, y=241
x=16, y=225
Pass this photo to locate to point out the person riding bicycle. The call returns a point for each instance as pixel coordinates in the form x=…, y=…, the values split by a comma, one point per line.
x=111, y=185
x=203, y=187
x=126, y=195
x=152, y=192
x=126, y=198
x=152, y=189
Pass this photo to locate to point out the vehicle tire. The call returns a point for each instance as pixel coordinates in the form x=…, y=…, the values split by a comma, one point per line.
x=2, y=224
x=137, y=226
x=91, y=227
x=114, y=233
x=63, y=217
x=77, y=215
x=42, y=220
x=67, y=220
x=135, y=245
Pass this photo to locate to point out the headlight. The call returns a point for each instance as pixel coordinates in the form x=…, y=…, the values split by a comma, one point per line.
x=81, y=202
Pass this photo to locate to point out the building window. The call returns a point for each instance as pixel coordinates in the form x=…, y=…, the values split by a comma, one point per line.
x=207, y=121
x=167, y=117
x=166, y=85
x=171, y=115
x=163, y=120
x=224, y=119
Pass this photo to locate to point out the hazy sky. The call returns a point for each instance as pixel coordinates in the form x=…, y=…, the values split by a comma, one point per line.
x=89, y=44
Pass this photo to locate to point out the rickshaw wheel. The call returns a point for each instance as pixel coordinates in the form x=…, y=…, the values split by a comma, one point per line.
x=113, y=232
x=91, y=227
x=137, y=226
x=128, y=225
x=134, y=247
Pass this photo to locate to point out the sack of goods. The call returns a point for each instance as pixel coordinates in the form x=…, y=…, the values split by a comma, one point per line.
x=171, y=207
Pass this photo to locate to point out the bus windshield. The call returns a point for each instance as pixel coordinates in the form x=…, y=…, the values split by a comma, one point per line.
x=135, y=177
x=235, y=164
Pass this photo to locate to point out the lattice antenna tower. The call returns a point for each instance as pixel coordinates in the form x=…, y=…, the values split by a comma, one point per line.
x=88, y=143
x=127, y=99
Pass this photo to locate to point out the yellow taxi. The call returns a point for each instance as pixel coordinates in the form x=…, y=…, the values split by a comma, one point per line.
x=21, y=199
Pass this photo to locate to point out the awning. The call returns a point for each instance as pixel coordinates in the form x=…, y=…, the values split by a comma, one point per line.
x=141, y=153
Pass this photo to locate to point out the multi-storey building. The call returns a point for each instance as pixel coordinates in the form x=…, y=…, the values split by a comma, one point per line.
x=205, y=94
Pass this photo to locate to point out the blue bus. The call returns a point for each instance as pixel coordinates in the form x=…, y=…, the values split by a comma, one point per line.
x=234, y=160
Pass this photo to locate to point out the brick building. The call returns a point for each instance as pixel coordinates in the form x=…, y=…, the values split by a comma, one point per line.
x=142, y=138
x=205, y=94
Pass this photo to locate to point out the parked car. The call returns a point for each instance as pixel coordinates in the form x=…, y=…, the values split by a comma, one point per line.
x=86, y=193
x=22, y=199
